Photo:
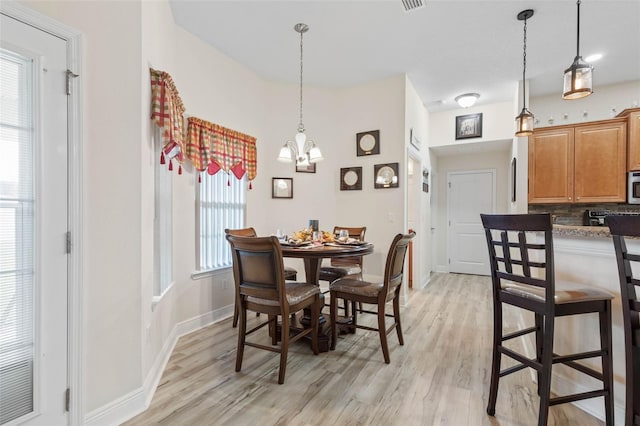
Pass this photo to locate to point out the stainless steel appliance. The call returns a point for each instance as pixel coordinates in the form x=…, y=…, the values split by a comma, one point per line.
x=633, y=194
x=598, y=217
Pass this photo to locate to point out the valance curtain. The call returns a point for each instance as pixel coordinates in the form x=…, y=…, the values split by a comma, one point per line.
x=214, y=148
x=167, y=111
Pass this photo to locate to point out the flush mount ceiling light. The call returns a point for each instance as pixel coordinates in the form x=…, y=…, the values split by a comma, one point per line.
x=524, y=121
x=305, y=151
x=467, y=100
x=578, y=81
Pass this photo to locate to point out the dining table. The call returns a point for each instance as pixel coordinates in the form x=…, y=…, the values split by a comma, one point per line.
x=312, y=254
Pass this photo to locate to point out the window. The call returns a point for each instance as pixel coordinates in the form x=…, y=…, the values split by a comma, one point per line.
x=17, y=322
x=162, y=222
x=221, y=201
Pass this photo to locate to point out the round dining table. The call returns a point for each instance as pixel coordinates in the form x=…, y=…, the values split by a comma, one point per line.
x=312, y=254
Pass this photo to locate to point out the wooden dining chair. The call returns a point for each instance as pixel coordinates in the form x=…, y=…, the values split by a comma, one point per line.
x=622, y=227
x=289, y=272
x=522, y=273
x=376, y=291
x=258, y=272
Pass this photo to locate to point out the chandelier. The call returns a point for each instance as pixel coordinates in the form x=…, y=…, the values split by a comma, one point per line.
x=302, y=149
x=578, y=78
x=524, y=121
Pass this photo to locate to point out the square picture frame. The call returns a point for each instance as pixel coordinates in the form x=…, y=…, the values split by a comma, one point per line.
x=469, y=126
x=281, y=187
x=368, y=143
x=386, y=176
x=413, y=140
x=306, y=168
x=351, y=179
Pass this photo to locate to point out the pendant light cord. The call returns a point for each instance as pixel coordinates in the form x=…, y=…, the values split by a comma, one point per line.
x=524, y=67
x=578, y=38
x=301, y=126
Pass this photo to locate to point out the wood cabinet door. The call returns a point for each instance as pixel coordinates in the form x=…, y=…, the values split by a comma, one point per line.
x=551, y=166
x=600, y=162
x=634, y=141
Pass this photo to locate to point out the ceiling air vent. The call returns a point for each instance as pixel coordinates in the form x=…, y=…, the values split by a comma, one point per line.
x=410, y=5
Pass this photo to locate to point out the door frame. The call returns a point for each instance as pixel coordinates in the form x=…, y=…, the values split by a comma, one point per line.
x=494, y=201
x=75, y=298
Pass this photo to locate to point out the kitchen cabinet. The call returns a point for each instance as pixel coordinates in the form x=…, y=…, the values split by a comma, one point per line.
x=633, y=147
x=581, y=163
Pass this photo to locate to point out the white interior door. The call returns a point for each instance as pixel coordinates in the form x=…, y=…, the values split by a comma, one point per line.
x=469, y=194
x=33, y=226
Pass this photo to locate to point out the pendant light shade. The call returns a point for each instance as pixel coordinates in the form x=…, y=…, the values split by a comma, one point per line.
x=578, y=81
x=303, y=150
x=524, y=120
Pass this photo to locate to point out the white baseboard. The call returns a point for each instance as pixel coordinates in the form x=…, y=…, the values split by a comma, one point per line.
x=128, y=406
x=444, y=269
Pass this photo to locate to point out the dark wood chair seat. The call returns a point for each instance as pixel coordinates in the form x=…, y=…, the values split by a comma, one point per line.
x=628, y=261
x=522, y=273
x=258, y=273
x=376, y=291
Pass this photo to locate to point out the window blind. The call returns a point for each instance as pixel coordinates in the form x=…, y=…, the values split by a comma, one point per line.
x=222, y=204
x=16, y=237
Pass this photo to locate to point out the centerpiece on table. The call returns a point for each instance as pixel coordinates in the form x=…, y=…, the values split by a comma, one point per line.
x=306, y=234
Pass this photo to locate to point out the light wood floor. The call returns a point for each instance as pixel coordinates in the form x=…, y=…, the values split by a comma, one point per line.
x=439, y=377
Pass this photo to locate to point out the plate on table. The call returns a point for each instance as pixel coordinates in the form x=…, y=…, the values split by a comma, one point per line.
x=351, y=242
x=295, y=243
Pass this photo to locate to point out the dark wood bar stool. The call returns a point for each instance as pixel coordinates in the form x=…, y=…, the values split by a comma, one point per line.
x=522, y=272
x=621, y=227
x=289, y=272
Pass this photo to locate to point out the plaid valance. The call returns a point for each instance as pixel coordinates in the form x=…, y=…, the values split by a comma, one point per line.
x=214, y=148
x=167, y=111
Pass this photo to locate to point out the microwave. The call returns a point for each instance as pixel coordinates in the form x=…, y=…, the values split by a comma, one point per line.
x=633, y=195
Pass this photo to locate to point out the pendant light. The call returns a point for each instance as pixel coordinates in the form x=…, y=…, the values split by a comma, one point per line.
x=303, y=150
x=578, y=81
x=524, y=121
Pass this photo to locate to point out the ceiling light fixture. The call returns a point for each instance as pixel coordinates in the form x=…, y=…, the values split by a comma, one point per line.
x=578, y=78
x=305, y=151
x=467, y=100
x=524, y=121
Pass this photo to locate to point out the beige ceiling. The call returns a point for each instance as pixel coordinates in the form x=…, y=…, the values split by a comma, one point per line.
x=447, y=47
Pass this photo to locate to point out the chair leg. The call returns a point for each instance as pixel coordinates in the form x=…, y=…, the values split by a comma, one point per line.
x=241, y=336
x=396, y=316
x=284, y=348
x=273, y=329
x=333, y=307
x=547, y=364
x=235, y=314
x=383, y=332
x=539, y=321
x=607, y=361
x=495, y=358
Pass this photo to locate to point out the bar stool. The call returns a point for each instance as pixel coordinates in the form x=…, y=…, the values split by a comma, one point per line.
x=517, y=259
x=621, y=227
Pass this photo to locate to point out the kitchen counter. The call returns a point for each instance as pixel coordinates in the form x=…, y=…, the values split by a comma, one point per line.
x=581, y=231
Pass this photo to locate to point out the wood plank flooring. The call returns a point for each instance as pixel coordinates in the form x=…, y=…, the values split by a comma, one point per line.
x=439, y=377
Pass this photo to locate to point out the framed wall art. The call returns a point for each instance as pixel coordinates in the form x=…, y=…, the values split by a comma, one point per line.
x=305, y=167
x=368, y=143
x=351, y=179
x=469, y=126
x=281, y=187
x=413, y=140
x=386, y=175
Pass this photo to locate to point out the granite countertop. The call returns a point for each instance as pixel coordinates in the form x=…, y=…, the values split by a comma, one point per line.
x=581, y=231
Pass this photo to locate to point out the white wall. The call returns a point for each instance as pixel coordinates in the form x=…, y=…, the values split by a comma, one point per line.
x=598, y=105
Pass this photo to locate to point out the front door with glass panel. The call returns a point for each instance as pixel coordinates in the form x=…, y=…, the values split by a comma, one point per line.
x=33, y=225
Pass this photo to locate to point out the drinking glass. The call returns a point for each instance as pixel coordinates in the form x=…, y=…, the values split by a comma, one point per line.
x=343, y=236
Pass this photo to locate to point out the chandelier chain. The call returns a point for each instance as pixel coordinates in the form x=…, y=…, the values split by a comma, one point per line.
x=578, y=37
x=301, y=126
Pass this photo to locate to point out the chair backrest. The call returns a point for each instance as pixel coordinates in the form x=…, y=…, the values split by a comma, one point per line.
x=394, y=267
x=258, y=270
x=242, y=232
x=354, y=232
x=516, y=254
x=621, y=227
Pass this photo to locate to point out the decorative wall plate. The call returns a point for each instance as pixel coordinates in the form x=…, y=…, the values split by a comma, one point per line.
x=351, y=179
x=368, y=143
x=386, y=175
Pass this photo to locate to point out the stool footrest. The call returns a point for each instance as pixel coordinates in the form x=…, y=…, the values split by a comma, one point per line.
x=577, y=397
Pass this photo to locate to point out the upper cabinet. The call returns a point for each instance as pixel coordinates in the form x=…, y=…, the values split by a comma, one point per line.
x=581, y=163
x=633, y=116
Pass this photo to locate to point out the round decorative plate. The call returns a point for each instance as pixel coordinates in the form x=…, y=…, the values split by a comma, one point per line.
x=385, y=175
x=367, y=142
x=350, y=178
